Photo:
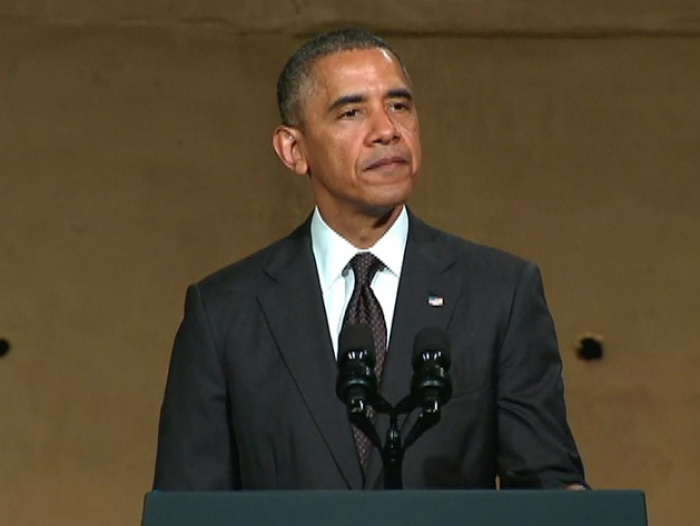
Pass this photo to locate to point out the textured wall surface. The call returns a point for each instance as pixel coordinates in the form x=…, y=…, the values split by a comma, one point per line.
x=402, y=16
x=135, y=158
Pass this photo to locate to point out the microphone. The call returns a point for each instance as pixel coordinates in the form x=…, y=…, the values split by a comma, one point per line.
x=431, y=386
x=356, y=385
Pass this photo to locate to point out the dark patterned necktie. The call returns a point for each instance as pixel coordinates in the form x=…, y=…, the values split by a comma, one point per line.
x=364, y=309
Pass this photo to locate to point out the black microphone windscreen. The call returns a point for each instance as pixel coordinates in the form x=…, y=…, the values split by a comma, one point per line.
x=431, y=339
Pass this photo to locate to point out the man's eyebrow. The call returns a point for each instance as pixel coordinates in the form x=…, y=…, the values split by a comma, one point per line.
x=397, y=93
x=400, y=93
x=344, y=100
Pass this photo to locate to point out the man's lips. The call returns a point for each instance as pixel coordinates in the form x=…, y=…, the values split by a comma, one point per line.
x=388, y=160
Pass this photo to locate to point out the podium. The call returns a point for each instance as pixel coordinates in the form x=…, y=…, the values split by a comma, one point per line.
x=400, y=508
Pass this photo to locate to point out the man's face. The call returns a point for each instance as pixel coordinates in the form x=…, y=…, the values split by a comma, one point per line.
x=360, y=134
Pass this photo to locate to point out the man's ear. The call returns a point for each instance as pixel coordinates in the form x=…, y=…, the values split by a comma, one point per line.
x=288, y=143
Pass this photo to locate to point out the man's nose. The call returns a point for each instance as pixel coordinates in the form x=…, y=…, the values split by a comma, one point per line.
x=384, y=128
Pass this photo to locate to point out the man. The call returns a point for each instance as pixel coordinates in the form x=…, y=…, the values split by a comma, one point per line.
x=250, y=401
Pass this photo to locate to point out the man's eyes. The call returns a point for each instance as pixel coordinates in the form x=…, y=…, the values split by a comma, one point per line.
x=349, y=113
x=401, y=106
x=393, y=106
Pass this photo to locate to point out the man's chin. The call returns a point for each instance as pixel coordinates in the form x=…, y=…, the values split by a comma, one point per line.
x=384, y=214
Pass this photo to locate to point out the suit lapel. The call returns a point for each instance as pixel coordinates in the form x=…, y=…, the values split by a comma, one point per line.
x=428, y=272
x=293, y=305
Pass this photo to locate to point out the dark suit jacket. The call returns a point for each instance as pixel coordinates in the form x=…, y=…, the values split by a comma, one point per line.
x=250, y=400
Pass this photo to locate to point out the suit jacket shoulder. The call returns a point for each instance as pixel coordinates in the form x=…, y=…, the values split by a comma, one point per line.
x=486, y=261
x=247, y=273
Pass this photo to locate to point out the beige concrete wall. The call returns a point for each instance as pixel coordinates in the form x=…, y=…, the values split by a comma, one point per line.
x=135, y=158
x=388, y=16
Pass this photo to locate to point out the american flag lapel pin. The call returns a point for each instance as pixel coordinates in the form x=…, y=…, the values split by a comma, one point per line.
x=435, y=300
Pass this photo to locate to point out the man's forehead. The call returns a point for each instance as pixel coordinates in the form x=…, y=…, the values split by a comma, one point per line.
x=360, y=55
x=336, y=69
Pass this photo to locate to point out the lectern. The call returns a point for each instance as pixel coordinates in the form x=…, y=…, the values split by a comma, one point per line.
x=400, y=508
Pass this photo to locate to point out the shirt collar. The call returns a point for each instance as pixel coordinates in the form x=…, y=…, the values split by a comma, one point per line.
x=333, y=252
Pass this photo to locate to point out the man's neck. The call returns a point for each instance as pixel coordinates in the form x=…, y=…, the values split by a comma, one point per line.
x=362, y=230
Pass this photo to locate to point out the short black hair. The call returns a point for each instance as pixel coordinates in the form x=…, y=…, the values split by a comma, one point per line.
x=298, y=68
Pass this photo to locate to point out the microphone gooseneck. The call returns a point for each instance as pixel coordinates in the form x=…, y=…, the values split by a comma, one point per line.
x=431, y=386
x=356, y=385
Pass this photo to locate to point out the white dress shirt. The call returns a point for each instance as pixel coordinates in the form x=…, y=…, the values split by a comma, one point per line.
x=333, y=254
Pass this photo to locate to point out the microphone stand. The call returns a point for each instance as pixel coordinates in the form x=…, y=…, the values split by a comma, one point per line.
x=357, y=387
x=392, y=452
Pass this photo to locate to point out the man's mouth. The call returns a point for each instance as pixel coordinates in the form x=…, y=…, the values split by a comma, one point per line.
x=387, y=161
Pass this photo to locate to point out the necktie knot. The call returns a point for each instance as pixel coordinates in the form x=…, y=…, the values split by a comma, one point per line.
x=365, y=265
